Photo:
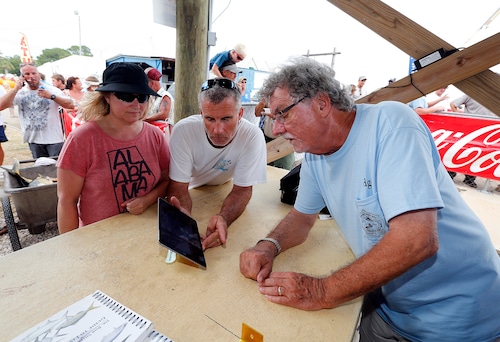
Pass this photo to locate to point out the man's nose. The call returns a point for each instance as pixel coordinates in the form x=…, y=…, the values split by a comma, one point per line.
x=278, y=128
x=218, y=127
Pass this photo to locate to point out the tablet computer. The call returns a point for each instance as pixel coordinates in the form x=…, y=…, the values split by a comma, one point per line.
x=179, y=233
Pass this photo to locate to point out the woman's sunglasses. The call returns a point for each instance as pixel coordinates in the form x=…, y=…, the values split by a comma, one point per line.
x=128, y=97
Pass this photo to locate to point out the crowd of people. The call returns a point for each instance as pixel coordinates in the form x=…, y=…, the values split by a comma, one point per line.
x=409, y=238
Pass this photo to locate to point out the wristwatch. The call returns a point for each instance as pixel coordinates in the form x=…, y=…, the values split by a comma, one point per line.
x=52, y=97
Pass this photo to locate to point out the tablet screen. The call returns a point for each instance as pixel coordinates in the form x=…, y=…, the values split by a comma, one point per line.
x=179, y=233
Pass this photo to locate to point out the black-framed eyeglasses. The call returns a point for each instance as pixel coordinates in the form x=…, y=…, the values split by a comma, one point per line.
x=238, y=57
x=281, y=115
x=221, y=82
x=128, y=97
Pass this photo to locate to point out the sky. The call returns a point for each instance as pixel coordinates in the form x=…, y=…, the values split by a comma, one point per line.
x=272, y=30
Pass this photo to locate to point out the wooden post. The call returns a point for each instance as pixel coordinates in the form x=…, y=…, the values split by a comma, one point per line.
x=191, y=55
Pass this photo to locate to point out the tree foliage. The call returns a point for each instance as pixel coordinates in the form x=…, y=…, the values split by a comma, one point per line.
x=75, y=50
x=11, y=64
x=51, y=55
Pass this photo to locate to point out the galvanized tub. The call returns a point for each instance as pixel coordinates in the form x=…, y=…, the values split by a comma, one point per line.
x=35, y=206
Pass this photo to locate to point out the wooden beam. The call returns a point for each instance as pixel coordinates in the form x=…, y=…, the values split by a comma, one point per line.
x=278, y=148
x=455, y=68
x=418, y=42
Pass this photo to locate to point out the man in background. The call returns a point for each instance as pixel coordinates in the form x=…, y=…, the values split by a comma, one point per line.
x=360, y=90
x=38, y=112
x=220, y=60
x=59, y=81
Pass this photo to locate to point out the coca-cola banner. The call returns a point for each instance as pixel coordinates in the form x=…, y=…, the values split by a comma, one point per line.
x=468, y=145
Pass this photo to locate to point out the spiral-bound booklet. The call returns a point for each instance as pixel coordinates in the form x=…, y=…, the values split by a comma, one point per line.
x=96, y=317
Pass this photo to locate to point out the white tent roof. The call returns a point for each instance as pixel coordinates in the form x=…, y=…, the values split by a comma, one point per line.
x=75, y=65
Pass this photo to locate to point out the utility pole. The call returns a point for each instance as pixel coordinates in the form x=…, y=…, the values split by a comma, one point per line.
x=79, y=32
x=325, y=54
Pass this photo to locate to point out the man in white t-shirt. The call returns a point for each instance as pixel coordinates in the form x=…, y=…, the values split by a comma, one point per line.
x=38, y=112
x=213, y=148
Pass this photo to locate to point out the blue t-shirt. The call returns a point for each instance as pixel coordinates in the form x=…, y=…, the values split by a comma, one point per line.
x=421, y=102
x=221, y=59
x=390, y=165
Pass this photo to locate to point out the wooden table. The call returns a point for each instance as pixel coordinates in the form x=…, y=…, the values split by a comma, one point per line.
x=121, y=257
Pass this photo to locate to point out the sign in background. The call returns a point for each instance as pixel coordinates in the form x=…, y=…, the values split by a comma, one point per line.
x=468, y=145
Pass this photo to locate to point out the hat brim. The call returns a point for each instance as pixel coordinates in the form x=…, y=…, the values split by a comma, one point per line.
x=128, y=88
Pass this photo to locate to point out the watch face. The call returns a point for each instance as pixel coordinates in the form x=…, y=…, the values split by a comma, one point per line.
x=52, y=97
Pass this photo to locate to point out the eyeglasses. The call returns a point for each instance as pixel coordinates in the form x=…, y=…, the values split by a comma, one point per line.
x=282, y=114
x=221, y=82
x=127, y=97
x=238, y=57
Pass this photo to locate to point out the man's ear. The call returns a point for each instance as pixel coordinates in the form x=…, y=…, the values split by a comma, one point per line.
x=323, y=103
x=240, y=114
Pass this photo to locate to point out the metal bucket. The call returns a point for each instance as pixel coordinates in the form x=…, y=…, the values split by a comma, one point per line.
x=35, y=206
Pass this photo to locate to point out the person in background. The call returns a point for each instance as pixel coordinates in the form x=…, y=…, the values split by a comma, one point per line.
x=230, y=71
x=351, y=90
x=72, y=117
x=59, y=81
x=242, y=84
x=473, y=107
x=233, y=56
x=38, y=111
x=425, y=263
x=74, y=90
x=360, y=90
x=125, y=168
x=213, y=148
x=3, y=137
x=91, y=83
x=9, y=82
x=421, y=107
x=160, y=108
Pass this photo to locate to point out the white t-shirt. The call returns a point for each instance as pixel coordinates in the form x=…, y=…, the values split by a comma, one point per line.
x=195, y=160
x=40, y=120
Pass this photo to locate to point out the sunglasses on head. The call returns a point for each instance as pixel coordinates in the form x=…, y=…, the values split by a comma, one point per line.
x=128, y=97
x=221, y=82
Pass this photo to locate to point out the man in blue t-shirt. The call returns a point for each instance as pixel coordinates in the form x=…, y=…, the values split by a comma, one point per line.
x=425, y=262
x=224, y=58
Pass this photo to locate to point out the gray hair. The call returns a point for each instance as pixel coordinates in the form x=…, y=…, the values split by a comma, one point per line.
x=307, y=77
x=216, y=94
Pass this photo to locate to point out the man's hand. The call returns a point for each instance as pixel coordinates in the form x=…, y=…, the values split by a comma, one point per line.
x=216, y=232
x=176, y=203
x=257, y=262
x=294, y=289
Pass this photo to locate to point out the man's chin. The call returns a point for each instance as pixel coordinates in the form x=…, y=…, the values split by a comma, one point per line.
x=219, y=142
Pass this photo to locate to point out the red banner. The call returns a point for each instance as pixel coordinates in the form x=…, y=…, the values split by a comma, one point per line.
x=25, y=50
x=467, y=144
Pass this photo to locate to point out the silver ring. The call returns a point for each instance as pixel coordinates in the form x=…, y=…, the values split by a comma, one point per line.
x=219, y=242
x=279, y=291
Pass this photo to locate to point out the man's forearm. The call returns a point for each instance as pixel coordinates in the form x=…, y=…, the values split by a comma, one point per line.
x=7, y=100
x=235, y=203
